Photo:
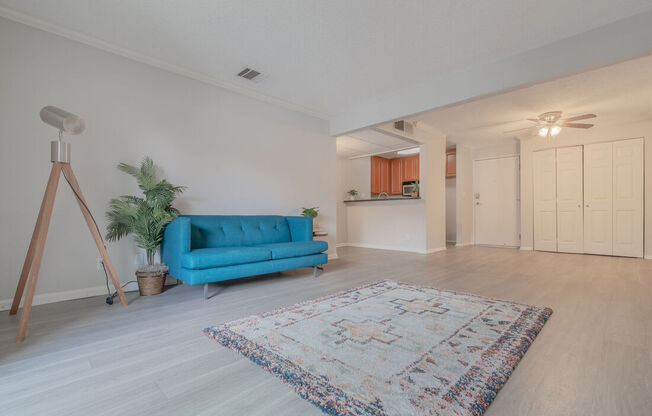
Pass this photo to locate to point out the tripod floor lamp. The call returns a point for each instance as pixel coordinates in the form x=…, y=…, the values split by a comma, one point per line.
x=60, y=157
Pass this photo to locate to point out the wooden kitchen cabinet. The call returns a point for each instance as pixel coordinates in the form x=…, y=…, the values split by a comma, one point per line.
x=388, y=175
x=451, y=160
x=410, y=168
x=380, y=175
x=384, y=175
x=375, y=175
x=396, y=167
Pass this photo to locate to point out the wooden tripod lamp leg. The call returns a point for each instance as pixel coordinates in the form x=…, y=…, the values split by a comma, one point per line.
x=32, y=244
x=36, y=246
x=67, y=169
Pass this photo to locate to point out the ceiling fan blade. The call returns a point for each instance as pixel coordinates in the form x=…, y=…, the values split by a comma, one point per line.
x=582, y=117
x=577, y=125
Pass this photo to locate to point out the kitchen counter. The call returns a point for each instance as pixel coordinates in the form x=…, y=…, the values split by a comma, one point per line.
x=390, y=198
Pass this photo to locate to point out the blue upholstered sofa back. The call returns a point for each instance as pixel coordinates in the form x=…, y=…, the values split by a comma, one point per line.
x=211, y=231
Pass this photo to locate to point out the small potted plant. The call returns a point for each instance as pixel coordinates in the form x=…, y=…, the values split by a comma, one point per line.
x=352, y=194
x=146, y=219
x=415, y=190
x=312, y=213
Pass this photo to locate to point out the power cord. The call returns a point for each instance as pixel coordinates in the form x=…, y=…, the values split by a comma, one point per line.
x=109, y=299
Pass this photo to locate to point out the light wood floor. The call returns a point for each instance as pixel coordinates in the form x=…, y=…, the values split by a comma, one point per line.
x=82, y=357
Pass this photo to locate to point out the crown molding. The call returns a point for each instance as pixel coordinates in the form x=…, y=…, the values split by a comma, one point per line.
x=151, y=61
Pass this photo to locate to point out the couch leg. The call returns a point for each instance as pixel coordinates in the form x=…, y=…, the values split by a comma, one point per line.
x=205, y=291
x=314, y=270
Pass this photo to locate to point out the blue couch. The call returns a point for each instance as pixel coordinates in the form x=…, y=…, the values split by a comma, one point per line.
x=200, y=249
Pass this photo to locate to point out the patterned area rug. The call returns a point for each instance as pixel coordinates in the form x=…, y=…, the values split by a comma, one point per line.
x=390, y=348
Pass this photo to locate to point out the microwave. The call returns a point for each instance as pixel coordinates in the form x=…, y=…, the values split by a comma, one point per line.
x=408, y=187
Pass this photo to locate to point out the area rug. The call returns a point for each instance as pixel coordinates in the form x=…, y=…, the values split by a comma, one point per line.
x=390, y=348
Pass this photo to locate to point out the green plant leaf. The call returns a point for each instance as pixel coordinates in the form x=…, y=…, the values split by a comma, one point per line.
x=145, y=218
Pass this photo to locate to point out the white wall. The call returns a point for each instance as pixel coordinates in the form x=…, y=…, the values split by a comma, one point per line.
x=358, y=176
x=391, y=225
x=433, y=186
x=570, y=137
x=342, y=177
x=236, y=155
x=463, y=195
x=351, y=174
x=451, y=226
x=508, y=148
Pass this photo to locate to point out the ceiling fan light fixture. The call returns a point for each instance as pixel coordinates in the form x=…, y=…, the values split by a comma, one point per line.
x=555, y=130
x=543, y=131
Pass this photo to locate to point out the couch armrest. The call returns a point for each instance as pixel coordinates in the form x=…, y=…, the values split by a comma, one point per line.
x=176, y=242
x=300, y=228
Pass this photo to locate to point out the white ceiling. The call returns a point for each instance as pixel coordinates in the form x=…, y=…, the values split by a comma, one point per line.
x=320, y=55
x=619, y=93
x=370, y=141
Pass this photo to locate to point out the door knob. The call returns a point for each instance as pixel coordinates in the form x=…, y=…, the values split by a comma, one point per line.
x=579, y=205
x=587, y=205
x=477, y=203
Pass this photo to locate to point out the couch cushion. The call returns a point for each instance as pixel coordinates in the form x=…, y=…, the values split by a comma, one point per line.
x=205, y=258
x=210, y=231
x=295, y=248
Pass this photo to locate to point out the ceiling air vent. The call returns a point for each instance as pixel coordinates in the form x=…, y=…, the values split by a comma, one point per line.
x=248, y=73
x=404, y=126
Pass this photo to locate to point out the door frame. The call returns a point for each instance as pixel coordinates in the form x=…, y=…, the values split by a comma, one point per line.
x=518, y=210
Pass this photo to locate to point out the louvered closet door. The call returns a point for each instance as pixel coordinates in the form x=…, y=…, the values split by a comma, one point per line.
x=545, y=201
x=628, y=198
x=570, y=194
x=598, y=198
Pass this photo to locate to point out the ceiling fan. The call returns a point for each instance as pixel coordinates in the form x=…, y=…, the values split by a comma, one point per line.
x=549, y=124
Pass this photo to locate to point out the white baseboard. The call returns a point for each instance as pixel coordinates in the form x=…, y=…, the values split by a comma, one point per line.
x=333, y=257
x=434, y=250
x=44, y=298
x=648, y=257
x=463, y=244
x=87, y=292
x=527, y=248
x=391, y=248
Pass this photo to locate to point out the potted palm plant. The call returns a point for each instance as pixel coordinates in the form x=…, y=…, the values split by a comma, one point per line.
x=415, y=190
x=312, y=213
x=352, y=194
x=145, y=218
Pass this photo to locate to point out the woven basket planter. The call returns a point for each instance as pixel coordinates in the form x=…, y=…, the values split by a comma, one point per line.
x=150, y=283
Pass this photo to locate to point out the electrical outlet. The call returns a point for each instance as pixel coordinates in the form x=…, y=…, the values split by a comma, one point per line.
x=99, y=264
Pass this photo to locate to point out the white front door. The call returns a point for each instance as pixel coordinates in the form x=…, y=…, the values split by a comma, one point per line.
x=570, y=222
x=628, y=198
x=545, y=200
x=598, y=198
x=497, y=204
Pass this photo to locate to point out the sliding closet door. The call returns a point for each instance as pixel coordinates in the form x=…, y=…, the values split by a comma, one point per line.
x=545, y=201
x=628, y=198
x=598, y=198
x=570, y=229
